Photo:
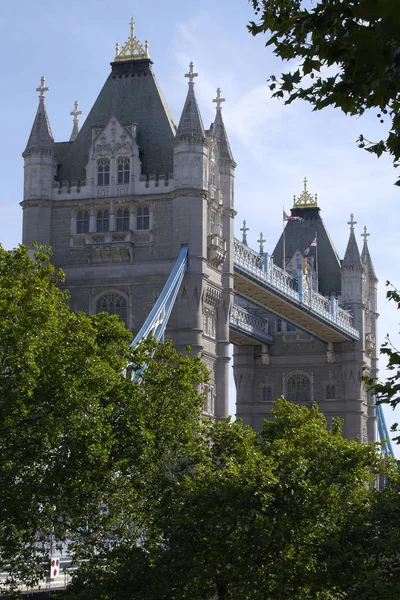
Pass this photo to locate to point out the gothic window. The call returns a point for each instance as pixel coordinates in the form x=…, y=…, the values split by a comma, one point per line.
x=122, y=219
x=123, y=170
x=114, y=304
x=212, y=172
x=102, y=221
x=298, y=388
x=330, y=391
x=82, y=222
x=103, y=171
x=267, y=393
x=143, y=218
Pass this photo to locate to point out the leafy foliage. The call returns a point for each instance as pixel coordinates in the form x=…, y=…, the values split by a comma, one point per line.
x=80, y=443
x=288, y=514
x=349, y=57
x=389, y=390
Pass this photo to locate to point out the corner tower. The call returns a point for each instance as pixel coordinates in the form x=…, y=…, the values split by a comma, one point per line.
x=123, y=194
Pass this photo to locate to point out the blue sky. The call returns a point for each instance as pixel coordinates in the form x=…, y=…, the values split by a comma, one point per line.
x=72, y=43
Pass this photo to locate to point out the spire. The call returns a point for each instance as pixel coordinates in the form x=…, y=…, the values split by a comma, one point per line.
x=41, y=138
x=352, y=258
x=366, y=257
x=190, y=124
x=225, y=151
x=75, y=128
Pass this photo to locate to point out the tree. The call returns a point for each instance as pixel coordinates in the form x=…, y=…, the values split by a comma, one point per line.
x=287, y=514
x=81, y=445
x=388, y=391
x=349, y=57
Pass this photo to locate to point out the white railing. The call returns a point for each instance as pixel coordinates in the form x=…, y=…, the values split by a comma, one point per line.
x=264, y=269
x=244, y=320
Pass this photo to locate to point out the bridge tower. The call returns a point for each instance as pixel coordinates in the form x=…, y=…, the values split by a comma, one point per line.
x=117, y=201
x=299, y=365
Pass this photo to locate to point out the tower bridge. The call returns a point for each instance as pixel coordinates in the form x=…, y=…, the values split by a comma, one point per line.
x=135, y=199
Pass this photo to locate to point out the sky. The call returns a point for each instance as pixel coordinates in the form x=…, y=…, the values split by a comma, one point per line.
x=275, y=146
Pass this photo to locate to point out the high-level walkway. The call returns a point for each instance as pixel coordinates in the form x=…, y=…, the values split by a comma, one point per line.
x=259, y=280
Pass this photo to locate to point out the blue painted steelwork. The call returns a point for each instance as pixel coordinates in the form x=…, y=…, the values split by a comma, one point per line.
x=383, y=432
x=244, y=322
x=262, y=271
x=157, y=320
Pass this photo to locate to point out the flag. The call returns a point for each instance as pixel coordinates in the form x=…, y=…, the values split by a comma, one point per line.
x=291, y=218
x=314, y=242
x=306, y=251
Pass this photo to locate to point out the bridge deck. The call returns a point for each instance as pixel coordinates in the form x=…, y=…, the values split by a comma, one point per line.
x=277, y=291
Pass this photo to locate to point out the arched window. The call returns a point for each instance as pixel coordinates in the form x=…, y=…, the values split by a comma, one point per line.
x=82, y=222
x=123, y=170
x=122, y=219
x=114, y=304
x=330, y=391
x=143, y=218
x=298, y=388
x=267, y=393
x=102, y=221
x=103, y=171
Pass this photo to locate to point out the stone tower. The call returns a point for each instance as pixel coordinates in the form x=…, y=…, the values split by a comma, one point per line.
x=298, y=365
x=119, y=198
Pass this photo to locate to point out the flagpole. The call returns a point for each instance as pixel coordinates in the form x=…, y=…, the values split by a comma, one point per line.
x=316, y=259
x=284, y=238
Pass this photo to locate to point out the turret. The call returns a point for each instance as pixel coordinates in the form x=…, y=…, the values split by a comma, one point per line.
x=352, y=270
x=39, y=171
x=190, y=146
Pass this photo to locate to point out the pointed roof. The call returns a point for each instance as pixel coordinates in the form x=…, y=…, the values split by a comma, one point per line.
x=41, y=137
x=218, y=128
x=131, y=94
x=298, y=236
x=366, y=257
x=352, y=259
x=191, y=124
x=300, y=232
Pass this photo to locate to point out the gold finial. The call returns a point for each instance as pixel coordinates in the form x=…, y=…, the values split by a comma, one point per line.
x=133, y=49
x=305, y=199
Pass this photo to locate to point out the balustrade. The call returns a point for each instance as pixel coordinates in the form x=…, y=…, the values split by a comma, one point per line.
x=244, y=320
x=264, y=269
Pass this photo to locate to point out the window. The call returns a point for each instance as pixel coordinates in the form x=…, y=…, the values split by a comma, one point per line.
x=143, y=218
x=267, y=393
x=278, y=325
x=103, y=171
x=82, y=222
x=102, y=221
x=123, y=170
x=330, y=391
x=290, y=327
x=114, y=304
x=123, y=219
x=298, y=388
